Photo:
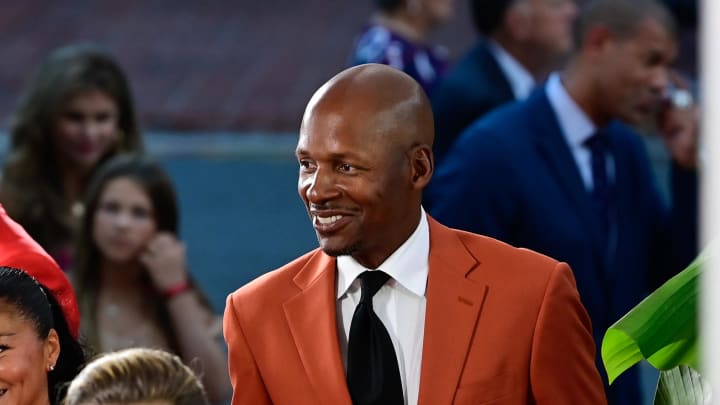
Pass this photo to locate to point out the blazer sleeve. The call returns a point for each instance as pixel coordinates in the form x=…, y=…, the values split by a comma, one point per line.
x=247, y=383
x=562, y=364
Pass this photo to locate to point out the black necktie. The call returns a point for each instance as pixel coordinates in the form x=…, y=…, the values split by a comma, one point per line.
x=372, y=371
x=601, y=186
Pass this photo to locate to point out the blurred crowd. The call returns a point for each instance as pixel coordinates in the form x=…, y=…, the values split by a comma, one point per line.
x=539, y=131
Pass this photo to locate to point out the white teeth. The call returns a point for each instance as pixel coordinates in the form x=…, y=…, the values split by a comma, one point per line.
x=328, y=220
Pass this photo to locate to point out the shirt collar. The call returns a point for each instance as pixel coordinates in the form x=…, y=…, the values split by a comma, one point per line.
x=521, y=81
x=574, y=123
x=408, y=265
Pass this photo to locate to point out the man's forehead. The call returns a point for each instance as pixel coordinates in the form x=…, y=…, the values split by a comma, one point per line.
x=652, y=36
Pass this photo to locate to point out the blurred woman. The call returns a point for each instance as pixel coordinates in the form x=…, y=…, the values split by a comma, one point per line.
x=397, y=36
x=76, y=113
x=131, y=275
x=134, y=376
x=38, y=354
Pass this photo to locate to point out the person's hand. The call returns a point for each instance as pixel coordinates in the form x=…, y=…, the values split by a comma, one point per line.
x=678, y=124
x=164, y=258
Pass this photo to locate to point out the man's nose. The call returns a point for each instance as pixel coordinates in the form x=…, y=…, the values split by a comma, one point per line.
x=321, y=186
x=660, y=80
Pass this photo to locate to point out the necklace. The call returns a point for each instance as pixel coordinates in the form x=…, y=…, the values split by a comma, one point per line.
x=77, y=209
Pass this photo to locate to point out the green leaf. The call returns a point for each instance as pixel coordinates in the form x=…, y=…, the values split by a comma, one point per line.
x=682, y=386
x=663, y=328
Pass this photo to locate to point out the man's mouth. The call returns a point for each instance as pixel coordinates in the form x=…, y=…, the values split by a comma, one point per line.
x=327, y=220
x=329, y=223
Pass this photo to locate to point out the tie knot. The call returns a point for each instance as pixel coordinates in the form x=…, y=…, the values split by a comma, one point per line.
x=597, y=141
x=370, y=283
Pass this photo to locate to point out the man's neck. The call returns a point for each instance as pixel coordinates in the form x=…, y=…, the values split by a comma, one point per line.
x=579, y=86
x=533, y=59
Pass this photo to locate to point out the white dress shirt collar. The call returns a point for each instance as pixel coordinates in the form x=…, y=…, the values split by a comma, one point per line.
x=408, y=265
x=576, y=126
x=521, y=81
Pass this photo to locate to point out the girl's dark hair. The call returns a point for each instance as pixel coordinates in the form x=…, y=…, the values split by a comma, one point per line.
x=151, y=177
x=32, y=191
x=36, y=304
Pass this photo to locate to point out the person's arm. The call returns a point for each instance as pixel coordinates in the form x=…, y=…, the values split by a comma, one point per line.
x=562, y=364
x=195, y=326
x=679, y=128
x=197, y=334
x=248, y=386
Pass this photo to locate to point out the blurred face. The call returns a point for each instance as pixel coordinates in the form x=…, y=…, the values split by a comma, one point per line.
x=24, y=359
x=438, y=11
x=550, y=23
x=354, y=182
x=124, y=220
x=86, y=128
x=634, y=72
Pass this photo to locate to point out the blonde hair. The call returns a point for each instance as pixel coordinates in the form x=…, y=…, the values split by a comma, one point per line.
x=134, y=375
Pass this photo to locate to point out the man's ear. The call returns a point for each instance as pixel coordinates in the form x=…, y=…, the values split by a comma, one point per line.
x=422, y=165
x=517, y=21
x=51, y=349
x=597, y=40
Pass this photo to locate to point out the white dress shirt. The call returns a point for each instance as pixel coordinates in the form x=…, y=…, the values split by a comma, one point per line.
x=521, y=81
x=576, y=127
x=400, y=303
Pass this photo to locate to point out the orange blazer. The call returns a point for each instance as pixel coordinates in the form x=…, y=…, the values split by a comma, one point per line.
x=502, y=326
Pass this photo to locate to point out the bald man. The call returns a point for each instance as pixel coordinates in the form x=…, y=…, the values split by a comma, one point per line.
x=395, y=308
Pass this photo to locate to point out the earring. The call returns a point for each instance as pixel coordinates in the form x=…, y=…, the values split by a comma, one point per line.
x=51, y=367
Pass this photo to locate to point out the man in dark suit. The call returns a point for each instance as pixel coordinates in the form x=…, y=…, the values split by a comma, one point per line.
x=522, y=40
x=560, y=174
x=395, y=308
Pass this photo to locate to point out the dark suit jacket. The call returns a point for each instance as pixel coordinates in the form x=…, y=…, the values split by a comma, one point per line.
x=512, y=176
x=502, y=326
x=474, y=86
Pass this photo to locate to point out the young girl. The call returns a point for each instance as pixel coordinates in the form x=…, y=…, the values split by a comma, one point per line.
x=131, y=276
x=76, y=113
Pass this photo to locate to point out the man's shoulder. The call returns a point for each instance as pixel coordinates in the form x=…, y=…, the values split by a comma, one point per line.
x=500, y=260
x=476, y=75
x=506, y=125
x=277, y=282
x=502, y=250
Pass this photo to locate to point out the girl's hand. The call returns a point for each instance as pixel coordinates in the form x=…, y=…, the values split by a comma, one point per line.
x=164, y=258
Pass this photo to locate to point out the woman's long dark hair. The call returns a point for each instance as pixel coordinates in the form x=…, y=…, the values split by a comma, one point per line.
x=35, y=303
x=31, y=189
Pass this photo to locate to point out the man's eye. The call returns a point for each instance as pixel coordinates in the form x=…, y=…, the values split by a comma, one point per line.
x=345, y=167
x=306, y=165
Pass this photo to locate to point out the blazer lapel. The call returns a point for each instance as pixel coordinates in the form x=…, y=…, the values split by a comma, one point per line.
x=311, y=316
x=558, y=158
x=453, y=305
x=487, y=63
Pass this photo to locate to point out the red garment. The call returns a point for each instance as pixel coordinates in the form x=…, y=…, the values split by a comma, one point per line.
x=19, y=250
